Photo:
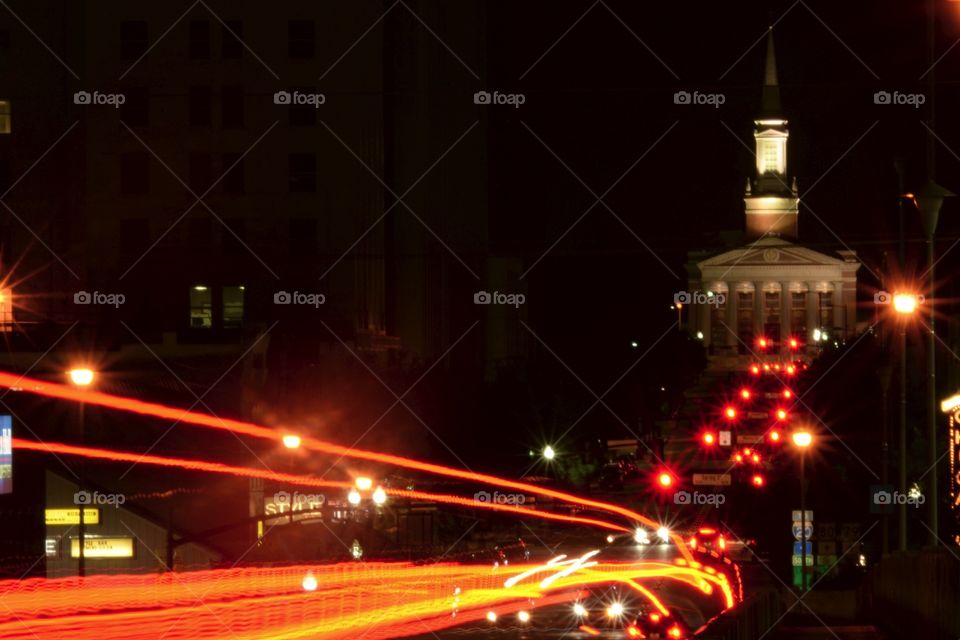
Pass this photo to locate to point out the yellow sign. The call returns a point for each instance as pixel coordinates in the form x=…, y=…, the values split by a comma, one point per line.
x=91, y=515
x=119, y=547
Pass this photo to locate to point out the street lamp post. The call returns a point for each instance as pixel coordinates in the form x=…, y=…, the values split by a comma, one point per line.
x=929, y=202
x=81, y=377
x=802, y=440
x=904, y=304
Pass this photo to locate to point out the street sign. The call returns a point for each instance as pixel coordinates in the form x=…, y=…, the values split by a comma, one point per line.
x=807, y=533
x=827, y=530
x=798, y=550
x=746, y=438
x=827, y=560
x=714, y=479
x=797, y=560
x=725, y=438
x=850, y=531
x=827, y=548
x=797, y=517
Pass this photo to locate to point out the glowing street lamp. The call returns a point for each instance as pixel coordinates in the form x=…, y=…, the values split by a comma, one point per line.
x=363, y=483
x=665, y=480
x=905, y=303
x=354, y=497
x=802, y=439
x=291, y=441
x=81, y=377
x=549, y=453
x=379, y=496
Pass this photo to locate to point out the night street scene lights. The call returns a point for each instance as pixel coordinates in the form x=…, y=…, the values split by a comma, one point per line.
x=803, y=440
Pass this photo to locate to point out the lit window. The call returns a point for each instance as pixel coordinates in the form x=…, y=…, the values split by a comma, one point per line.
x=233, y=307
x=201, y=307
x=5, y=124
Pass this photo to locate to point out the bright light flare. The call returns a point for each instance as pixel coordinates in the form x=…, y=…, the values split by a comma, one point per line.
x=309, y=582
x=363, y=483
x=523, y=616
x=615, y=610
x=781, y=414
x=730, y=413
x=665, y=480
x=81, y=377
x=664, y=534
x=354, y=497
x=491, y=616
x=579, y=610
x=379, y=496
x=758, y=480
x=708, y=439
x=802, y=439
x=905, y=302
x=774, y=436
x=291, y=441
x=549, y=453
x=745, y=393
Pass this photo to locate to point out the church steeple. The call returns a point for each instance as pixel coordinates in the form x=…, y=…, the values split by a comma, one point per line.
x=771, y=205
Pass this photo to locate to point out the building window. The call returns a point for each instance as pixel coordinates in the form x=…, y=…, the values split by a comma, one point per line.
x=200, y=172
x=303, y=237
x=6, y=309
x=826, y=309
x=199, y=45
x=233, y=307
x=798, y=313
x=303, y=115
x=770, y=154
x=6, y=125
x=134, y=173
x=199, y=99
x=233, y=175
x=201, y=307
x=301, y=39
x=230, y=34
x=234, y=236
x=135, y=111
x=302, y=172
x=744, y=320
x=771, y=324
x=231, y=107
x=133, y=39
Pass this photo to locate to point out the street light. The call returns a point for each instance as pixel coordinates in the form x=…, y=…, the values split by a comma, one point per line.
x=905, y=305
x=81, y=377
x=291, y=441
x=549, y=453
x=802, y=440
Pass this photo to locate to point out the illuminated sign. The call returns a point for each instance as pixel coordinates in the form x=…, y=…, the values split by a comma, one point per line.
x=52, y=546
x=6, y=455
x=114, y=547
x=303, y=506
x=71, y=516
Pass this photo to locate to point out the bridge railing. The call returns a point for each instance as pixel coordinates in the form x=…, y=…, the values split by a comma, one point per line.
x=749, y=620
x=915, y=593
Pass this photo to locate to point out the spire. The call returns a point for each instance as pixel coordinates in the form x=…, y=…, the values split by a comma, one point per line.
x=770, y=105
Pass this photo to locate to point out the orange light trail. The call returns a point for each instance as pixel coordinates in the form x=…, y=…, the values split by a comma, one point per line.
x=380, y=600
x=91, y=397
x=307, y=481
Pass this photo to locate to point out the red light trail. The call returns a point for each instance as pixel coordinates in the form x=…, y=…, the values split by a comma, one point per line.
x=65, y=392
x=307, y=481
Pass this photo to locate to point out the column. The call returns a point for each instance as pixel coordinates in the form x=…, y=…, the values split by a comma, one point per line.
x=705, y=311
x=785, y=306
x=759, y=310
x=839, y=309
x=732, y=302
x=813, y=311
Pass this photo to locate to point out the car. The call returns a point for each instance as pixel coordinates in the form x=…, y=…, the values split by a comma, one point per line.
x=708, y=539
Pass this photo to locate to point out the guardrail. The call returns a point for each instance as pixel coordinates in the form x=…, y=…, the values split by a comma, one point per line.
x=749, y=620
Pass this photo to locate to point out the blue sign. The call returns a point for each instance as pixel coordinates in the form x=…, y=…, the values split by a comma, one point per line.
x=798, y=551
x=6, y=455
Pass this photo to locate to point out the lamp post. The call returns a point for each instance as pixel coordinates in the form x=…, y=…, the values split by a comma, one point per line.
x=905, y=305
x=802, y=440
x=929, y=202
x=81, y=377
